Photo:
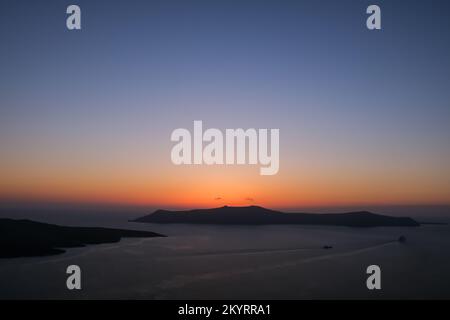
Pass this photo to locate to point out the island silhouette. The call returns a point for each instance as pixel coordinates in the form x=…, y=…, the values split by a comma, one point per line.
x=26, y=238
x=256, y=215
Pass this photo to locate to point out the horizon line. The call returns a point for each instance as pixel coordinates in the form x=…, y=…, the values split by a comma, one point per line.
x=108, y=204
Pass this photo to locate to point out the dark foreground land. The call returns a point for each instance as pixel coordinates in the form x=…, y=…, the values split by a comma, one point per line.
x=254, y=215
x=25, y=238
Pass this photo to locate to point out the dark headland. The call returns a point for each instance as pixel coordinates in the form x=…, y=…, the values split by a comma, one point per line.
x=25, y=238
x=254, y=215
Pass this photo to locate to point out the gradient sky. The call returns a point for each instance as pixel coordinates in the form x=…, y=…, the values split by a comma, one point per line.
x=86, y=116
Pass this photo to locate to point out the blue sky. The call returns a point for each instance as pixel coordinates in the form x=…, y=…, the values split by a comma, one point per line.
x=343, y=96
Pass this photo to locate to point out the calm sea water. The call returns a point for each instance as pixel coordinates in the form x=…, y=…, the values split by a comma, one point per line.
x=242, y=262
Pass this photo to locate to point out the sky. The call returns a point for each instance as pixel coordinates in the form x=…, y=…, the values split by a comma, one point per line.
x=86, y=115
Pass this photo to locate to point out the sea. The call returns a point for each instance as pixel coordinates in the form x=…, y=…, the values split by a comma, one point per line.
x=237, y=262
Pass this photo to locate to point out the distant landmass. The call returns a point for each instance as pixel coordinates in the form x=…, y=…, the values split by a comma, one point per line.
x=25, y=238
x=255, y=215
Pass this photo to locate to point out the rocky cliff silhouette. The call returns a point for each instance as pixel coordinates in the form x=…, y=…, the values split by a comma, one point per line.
x=26, y=238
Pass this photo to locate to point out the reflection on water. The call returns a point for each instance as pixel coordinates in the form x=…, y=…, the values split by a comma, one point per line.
x=259, y=262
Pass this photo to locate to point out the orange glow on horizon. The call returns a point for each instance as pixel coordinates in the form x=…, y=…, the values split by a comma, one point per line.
x=170, y=186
